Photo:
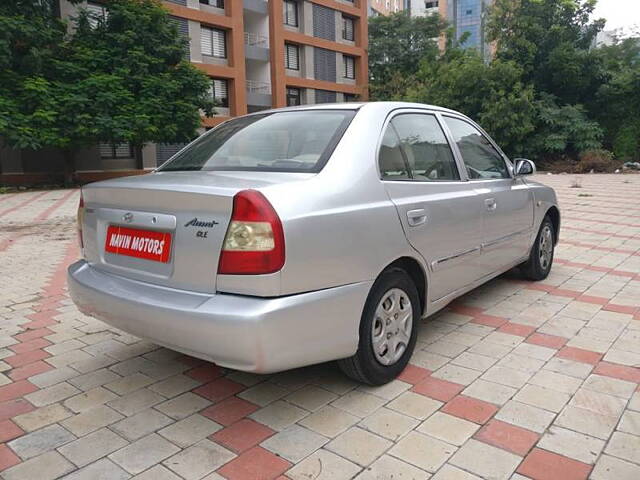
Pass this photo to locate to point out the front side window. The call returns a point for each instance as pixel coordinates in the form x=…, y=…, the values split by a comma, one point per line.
x=291, y=57
x=213, y=42
x=481, y=159
x=220, y=92
x=347, y=28
x=349, y=67
x=115, y=150
x=293, y=96
x=425, y=148
x=297, y=141
x=290, y=13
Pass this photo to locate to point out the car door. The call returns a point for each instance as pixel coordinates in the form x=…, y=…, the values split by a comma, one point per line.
x=441, y=214
x=507, y=201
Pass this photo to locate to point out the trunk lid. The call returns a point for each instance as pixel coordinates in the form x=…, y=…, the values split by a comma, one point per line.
x=188, y=211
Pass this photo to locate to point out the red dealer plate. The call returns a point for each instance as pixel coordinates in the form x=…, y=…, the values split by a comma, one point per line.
x=138, y=243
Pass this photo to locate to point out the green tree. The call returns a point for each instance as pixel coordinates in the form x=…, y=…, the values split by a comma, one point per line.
x=616, y=105
x=397, y=45
x=551, y=41
x=563, y=131
x=117, y=78
x=30, y=36
x=495, y=97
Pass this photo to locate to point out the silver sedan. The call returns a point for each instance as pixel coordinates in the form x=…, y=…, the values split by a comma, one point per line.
x=297, y=236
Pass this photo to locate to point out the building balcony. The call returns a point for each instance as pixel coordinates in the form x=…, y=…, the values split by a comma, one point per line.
x=256, y=6
x=256, y=46
x=258, y=93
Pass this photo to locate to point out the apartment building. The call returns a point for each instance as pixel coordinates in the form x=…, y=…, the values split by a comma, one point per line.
x=385, y=7
x=259, y=54
x=469, y=17
x=424, y=8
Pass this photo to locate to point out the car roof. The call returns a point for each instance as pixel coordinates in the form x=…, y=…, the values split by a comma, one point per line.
x=356, y=106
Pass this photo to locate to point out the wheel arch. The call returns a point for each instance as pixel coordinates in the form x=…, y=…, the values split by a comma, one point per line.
x=554, y=215
x=416, y=271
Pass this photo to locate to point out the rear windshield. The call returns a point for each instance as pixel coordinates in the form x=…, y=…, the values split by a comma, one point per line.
x=297, y=141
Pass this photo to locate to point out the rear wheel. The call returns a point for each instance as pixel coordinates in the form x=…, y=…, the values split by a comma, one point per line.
x=541, y=257
x=388, y=330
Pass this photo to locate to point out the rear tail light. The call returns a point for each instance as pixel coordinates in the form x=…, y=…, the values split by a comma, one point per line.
x=80, y=220
x=254, y=243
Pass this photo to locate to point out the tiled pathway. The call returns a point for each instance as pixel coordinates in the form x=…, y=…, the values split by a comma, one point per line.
x=515, y=380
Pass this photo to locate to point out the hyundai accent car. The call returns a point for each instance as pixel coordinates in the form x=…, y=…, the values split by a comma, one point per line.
x=303, y=235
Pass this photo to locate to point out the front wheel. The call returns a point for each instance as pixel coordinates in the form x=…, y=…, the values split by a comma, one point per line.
x=388, y=330
x=538, y=266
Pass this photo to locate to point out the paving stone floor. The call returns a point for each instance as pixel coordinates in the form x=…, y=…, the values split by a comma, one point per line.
x=515, y=380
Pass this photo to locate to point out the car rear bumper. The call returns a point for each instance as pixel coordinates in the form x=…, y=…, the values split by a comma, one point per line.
x=255, y=334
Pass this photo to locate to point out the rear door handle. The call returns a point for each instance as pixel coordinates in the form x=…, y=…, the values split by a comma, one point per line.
x=491, y=204
x=417, y=217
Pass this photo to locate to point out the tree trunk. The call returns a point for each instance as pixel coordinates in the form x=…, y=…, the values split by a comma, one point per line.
x=137, y=152
x=69, y=167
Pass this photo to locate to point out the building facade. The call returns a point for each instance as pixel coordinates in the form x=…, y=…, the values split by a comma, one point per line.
x=259, y=54
x=424, y=8
x=468, y=17
x=385, y=7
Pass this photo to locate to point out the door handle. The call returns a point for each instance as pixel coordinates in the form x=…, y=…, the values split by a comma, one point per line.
x=491, y=204
x=416, y=217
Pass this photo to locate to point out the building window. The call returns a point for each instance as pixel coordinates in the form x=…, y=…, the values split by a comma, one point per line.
x=213, y=42
x=430, y=4
x=350, y=97
x=96, y=13
x=115, y=150
x=290, y=13
x=293, y=96
x=220, y=92
x=325, y=96
x=291, y=56
x=347, y=28
x=349, y=66
x=324, y=22
x=213, y=3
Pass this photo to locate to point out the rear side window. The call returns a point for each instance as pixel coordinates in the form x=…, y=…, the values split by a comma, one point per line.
x=392, y=162
x=482, y=160
x=298, y=141
x=415, y=147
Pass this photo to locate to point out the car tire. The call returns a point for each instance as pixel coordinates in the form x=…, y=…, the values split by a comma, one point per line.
x=538, y=266
x=386, y=319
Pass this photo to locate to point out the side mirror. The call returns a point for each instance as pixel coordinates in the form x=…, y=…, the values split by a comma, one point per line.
x=524, y=167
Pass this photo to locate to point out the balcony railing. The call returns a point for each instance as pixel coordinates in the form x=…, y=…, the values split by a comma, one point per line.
x=255, y=86
x=256, y=40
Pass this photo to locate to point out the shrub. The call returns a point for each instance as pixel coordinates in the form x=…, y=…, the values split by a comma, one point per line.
x=598, y=160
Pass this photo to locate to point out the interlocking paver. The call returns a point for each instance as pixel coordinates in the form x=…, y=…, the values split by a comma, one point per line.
x=198, y=460
x=556, y=361
x=144, y=453
x=40, y=441
x=451, y=429
x=485, y=460
x=390, y=467
x=324, y=465
x=92, y=447
x=423, y=451
x=359, y=446
x=294, y=443
x=190, y=430
x=142, y=424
